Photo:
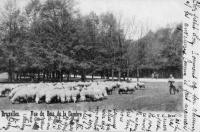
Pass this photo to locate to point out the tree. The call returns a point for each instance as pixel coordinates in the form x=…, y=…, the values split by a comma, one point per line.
x=10, y=28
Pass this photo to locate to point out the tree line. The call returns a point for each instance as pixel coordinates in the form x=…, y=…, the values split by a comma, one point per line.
x=46, y=40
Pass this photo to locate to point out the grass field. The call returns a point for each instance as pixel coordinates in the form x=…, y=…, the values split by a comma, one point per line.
x=155, y=97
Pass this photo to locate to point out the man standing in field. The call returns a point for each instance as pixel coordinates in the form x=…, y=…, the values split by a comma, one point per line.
x=171, y=84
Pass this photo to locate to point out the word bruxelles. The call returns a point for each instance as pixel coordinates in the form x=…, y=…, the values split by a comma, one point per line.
x=8, y=114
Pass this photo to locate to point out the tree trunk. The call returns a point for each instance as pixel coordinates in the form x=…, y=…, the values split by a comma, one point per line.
x=92, y=77
x=83, y=77
x=38, y=78
x=47, y=74
x=68, y=76
x=101, y=74
x=128, y=74
x=119, y=75
x=53, y=76
x=43, y=76
x=74, y=75
x=20, y=76
x=61, y=76
x=10, y=71
x=107, y=74
x=17, y=76
x=124, y=76
x=138, y=75
x=112, y=74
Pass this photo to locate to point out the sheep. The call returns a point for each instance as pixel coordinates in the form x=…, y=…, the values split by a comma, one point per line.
x=131, y=87
x=69, y=86
x=98, y=94
x=4, y=91
x=82, y=95
x=61, y=92
x=107, y=87
x=53, y=95
x=140, y=85
x=74, y=95
x=90, y=94
x=63, y=95
x=13, y=91
x=102, y=89
x=67, y=97
x=110, y=87
x=94, y=92
x=41, y=92
x=59, y=85
x=7, y=88
x=24, y=94
x=104, y=92
x=113, y=85
x=122, y=90
x=47, y=93
x=118, y=84
x=127, y=87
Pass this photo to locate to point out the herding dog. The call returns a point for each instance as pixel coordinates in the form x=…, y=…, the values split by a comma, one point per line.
x=173, y=88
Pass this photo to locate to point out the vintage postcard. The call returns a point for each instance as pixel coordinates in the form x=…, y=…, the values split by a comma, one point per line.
x=99, y=65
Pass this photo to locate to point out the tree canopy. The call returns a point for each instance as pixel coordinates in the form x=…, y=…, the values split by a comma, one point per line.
x=53, y=38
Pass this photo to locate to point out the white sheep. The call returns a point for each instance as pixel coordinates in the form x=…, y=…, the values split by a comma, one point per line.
x=4, y=90
x=82, y=95
x=74, y=94
x=131, y=87
x=13, y=91
x=25, y=94
x=67, y=95
x=42, y=91
x=127, y=87
x=51, y=94
x=140, y=85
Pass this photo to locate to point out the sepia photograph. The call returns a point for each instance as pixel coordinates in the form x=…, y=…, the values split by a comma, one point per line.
x=84, y=54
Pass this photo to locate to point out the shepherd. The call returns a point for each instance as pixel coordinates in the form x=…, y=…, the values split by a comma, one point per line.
x=171, y=84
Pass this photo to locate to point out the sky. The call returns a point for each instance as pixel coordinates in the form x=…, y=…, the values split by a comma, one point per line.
x=151, y=14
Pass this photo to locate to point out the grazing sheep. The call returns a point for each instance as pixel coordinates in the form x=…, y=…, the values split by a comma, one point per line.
x=24, y=95
x=127, y=88
x=61, y=92
x=67, y=97
x=131, y=87
x=13, y=91
x=82, y=95
x=104, y=93
x=54, y=96
x=5, y=90
x=109, y=90
x=140, y=85
x=75, y=95
x=122, y=90
x=41, y=94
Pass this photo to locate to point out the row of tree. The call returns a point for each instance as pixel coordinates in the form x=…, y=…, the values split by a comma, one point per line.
x=46, y=40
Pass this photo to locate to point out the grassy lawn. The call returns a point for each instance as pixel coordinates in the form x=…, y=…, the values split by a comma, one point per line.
x=155, y=97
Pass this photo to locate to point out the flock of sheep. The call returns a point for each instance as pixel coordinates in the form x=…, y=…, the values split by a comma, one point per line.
x=65, y=92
